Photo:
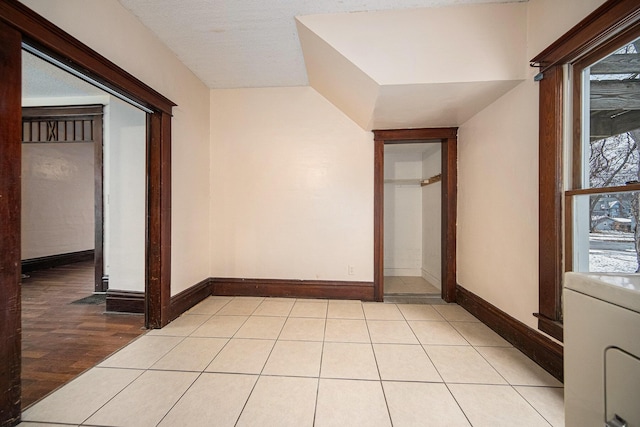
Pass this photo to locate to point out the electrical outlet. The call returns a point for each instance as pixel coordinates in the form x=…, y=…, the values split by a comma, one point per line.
x=351, y=270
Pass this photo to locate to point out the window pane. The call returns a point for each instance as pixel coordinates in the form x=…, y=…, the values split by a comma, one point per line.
x=611, y=119
x=604, y=237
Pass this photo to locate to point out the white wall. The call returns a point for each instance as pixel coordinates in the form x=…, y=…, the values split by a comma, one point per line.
x=112, y=31
x=432, y=219
x=124, y=159
x=292, y=187
x=57, y=199
x=498, y=179
x=402, y=214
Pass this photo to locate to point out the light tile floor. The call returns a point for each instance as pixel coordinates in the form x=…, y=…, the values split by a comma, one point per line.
x=287, y=362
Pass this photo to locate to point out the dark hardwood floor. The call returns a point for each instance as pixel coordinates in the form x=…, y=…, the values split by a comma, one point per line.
x=61, y=340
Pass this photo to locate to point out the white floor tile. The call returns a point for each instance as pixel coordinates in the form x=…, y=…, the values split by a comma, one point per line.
x=549, y=402
x=346, y=330
x=400, y=362
x=242, y=356
x=305, y=308
x=210, y=305
x=294, y=358
x=240, y=307
x=261, y=328
x=192, y=354
x=454, y=313
x=462, y=365
x=517, y=368
x=145, y=401
x=422, y=404
x=437, y=333
x=275, y=307
x=391, y=332
x=479, y=334
x=348, y=360
x=79, y=399
x=345, y=310
x=419, y=312
x=281, y=401
x=495, y=406
x=220, y=326
x=381, y=311
x=183, y=326
x=303, y=329
x=351, y=403
x=213, y=400
x=142, y=353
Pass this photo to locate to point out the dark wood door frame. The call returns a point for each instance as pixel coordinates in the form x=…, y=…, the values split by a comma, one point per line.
x=448, y=138
x=77, y=124
x=18, y=25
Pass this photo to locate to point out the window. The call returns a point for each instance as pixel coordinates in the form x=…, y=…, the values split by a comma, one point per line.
x=604, y=231
x=583, y=52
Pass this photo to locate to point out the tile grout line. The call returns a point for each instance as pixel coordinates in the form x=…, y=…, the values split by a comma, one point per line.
x=324, y=335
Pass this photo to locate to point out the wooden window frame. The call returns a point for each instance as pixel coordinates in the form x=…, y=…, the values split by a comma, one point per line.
x=612, y=20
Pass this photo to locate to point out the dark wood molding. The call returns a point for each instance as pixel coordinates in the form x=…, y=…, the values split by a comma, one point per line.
x=552, y=328
x=448, y=138
x=550, y=262
x=10, y=165
x=293, y=288
x=609, y=20
x=20, y=24
x=542, y=350
x=48, y=38
x=189, y=297
x=158, y=249
x=125, y=301
x=45, y=262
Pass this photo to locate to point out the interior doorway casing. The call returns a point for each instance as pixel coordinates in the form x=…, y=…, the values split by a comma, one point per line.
x=20, y=25
x=448, y=138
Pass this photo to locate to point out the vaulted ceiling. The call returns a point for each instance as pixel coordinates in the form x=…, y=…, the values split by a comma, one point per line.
x=384, y=63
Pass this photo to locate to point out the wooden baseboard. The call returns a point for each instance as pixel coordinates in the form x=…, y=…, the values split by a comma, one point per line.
x=293, y=288
x=189, y=297
x=542, y=350
x=45, y=262
x=125, y=301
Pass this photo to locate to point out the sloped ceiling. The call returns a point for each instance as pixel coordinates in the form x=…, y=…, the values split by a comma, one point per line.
x=385, y=63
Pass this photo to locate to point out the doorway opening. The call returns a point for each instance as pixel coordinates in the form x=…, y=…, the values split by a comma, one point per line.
x=82, y=212
x=412, y=222
x=446, y=138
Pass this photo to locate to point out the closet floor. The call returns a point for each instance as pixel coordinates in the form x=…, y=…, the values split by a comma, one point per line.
x=408, y=285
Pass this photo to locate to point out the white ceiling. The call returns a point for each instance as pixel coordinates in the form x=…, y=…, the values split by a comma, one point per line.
x=250, y=43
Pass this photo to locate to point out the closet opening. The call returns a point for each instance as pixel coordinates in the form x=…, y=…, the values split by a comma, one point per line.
x=412, y=222
x=408, y=160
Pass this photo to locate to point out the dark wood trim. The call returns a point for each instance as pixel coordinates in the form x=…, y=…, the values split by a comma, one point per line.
x=550, y=262
x=158, y=249
x=293, y=288
x=51, y=261
x=448, y=138
x=21, y=24
x=10, y=165
x=48, y=38
x=189, y=297
x=603, y=190
x=542, y=350
x=553, y=328
x=609, y=20
x=449, y=216
x=125, y=301
x=62, y=111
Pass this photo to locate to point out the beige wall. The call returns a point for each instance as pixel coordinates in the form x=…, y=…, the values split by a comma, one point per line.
x=498, y=180
x=292, y=187
x=111, y=30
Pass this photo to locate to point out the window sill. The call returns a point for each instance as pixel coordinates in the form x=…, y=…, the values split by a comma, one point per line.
x=551, y=327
